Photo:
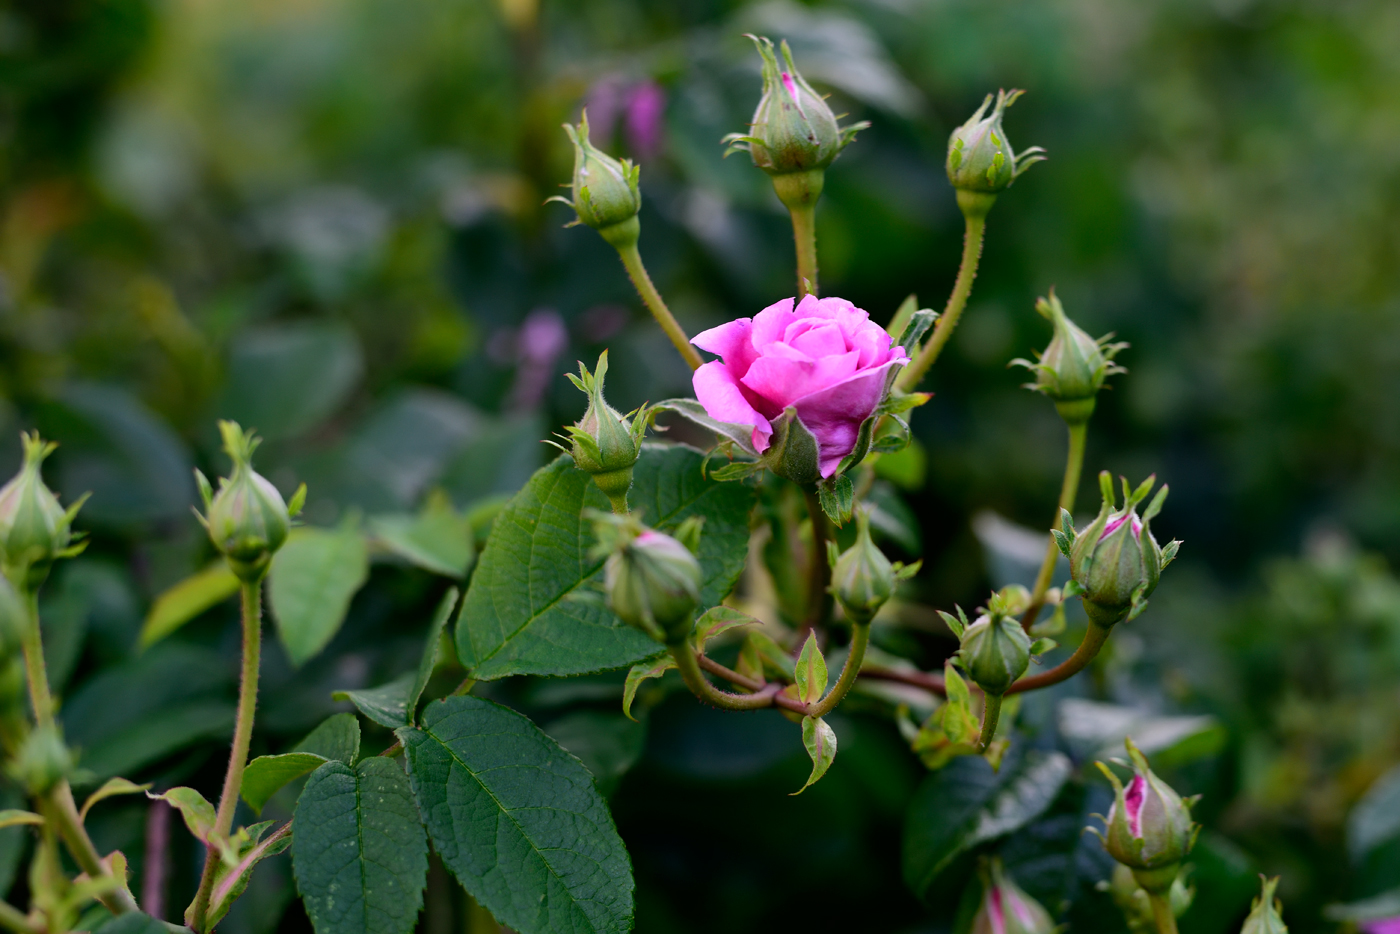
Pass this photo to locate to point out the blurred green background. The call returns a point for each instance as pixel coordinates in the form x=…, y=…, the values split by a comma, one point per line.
x=324, y=218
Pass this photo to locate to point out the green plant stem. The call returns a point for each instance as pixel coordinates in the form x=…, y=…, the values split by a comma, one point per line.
x=819, y=569
x=804, y=232
x=1094, y=638
x=1074, y=463
x=57, y=804
x=860, y=640
x=1162, y=912
x=238, y=755
x=991, y=713
x=684, y=654
x=13, y=919
x=967, y=271
x=632, y=261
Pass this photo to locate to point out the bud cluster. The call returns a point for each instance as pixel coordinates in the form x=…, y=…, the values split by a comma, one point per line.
x=1149, y=828
x=652, y=579
x=605, y=443
x=247, y=519
x=1074, y=365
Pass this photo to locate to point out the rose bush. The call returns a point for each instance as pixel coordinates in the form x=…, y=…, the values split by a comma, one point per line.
x=823, y=356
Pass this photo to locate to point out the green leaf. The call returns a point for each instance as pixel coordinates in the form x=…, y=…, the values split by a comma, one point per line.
x=820, y=741
x=386, y=705
x=135, y=923
x=231, y=881
x=518, y=820
x=14, y=818
x=810, y=672
x=313, y=577
x=266, y=775
x=529, y=611
x=359, y=854
x=967, y=804
x=186, y=600
x=653, y=667
x=284, y=379
x=1096, y=730
x=837, y=498
x=157, y=735
x=450, y=604
x=337, y=738
x=438, y=539
x=197, y=812
x=693, y=411
x=112, y=787
x=716, y=620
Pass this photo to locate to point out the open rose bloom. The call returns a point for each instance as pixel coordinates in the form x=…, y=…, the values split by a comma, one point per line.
x=825, y=357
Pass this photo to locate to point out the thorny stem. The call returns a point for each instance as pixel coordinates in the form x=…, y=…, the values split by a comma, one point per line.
x=57, y=805
x=818, y=569
x=919, y=679
x=238, y=755
x=684, y=654
x=15, y=920
x=1094, y=638
x=967, y=271
x=1162, y=912
x=991, y=713
x=804, y=232
x=1074, y=462
x=855, y=655
x=632, y=261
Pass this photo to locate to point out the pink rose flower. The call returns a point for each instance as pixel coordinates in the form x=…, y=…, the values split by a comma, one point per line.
x=1383, y=926
x=824, y=356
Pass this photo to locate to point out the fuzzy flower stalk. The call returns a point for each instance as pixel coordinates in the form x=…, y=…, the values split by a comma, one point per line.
x=1073, y=367
x=605, y=443
x=606, y=197
x=793, y=137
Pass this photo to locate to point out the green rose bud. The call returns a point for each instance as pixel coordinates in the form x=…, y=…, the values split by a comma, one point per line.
x=995, y=649
x=1149, y=827
x=652, y=579
x=1074, y=365
x=42, y=761
x=1267, y=914
x=605, y=192
x=1116, y=563
x=980, y=157
x=605, y=443
x=1131, y=898
x=794, y=135
x=1006, y=908
x=862, y=579
x=247, y=519
x=34, y=528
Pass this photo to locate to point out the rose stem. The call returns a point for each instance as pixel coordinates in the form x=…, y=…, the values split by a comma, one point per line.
x=12, y=918
x=57, y=804
x=769, y=695
x=1073, y=463
x=967, y=271
x=632, y=261
x=860, y=639
x=238, y=755
x=153, y=875
x=1094, y=638
x=991, y=713
x=1162, y=913
x=804, y=232
x=818, y=570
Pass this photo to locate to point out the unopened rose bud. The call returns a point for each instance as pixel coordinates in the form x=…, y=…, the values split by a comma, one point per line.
x=605, y=192
x=34, y=528
x=1115, y=563
x=1267, y=914
x=42, y=761
x=995, y=648
x=1074, y=365
x=652, y=579
x=863, y=578
x=1149, y=827
x=1007, y=909
x=981, y=162
x=247, y=519
x=605, y=443
x=794, y=135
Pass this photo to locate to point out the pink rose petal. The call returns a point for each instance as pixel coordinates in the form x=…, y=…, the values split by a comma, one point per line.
x=719, y=393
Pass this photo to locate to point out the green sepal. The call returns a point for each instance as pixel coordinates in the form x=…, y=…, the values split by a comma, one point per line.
x=653, y=667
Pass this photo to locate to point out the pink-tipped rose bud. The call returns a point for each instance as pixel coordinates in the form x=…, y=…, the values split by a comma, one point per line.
x=1007, y=909
x=1149, y=827
x=823, y=359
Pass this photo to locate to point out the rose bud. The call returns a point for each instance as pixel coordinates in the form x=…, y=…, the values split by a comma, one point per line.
x=1115, y=563
x=995, y=649
x=1267, y=914
x=1131, y=898
x=1149, y=827
x=1074, y=365
x=1007, y=909
x=604, y=442
x=34, y=528
x=652, y=579
x=794, y=135
x=247, y=520
x=981, y=162
x=862, y=578
x=605, y=193
x=42, y=761
x=804, y=376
